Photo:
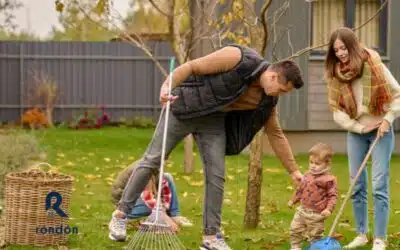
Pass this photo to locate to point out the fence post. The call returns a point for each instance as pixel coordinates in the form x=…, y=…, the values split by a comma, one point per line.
x=21, y=79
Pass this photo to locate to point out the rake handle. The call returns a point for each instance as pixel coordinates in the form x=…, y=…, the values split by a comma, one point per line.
x=164, y=142
x=353, y=183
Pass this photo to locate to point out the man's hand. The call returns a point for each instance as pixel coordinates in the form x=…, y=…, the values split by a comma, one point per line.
x=164, y=95
x=371, y=127
x=383, y=128
x=326, y=213
x=297, y=177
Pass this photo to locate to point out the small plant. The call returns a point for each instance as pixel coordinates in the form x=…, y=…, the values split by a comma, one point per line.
x=92, y=119
x=34, y=119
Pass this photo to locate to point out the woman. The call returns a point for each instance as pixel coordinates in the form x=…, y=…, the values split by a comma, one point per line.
x=365, y=100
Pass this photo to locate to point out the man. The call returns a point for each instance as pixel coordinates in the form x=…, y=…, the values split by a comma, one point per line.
x=223, y=99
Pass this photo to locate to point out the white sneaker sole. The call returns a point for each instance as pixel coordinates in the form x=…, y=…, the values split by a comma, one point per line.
x=114, y=238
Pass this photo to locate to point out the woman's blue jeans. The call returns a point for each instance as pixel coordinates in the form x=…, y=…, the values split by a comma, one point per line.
x=358, y=146
x=142, y=210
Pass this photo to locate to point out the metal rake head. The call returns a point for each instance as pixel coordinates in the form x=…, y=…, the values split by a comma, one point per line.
x=155, y=234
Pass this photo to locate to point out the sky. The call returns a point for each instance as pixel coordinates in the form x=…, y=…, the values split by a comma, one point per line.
x=38, y=16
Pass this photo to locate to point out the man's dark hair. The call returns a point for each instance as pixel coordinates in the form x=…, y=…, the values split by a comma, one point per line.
x=290, y=70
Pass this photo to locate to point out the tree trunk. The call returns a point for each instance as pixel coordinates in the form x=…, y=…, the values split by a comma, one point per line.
x=253, y=198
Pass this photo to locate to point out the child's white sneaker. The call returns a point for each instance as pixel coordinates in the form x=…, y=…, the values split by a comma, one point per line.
x=359, y=241
x=117, y=226
x=379, y=245
x=182, y=221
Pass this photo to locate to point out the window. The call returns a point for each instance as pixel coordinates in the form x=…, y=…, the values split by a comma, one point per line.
x=328, y=15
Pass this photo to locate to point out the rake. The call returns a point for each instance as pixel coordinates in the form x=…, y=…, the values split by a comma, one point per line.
x=330, y=243
x=155, y=233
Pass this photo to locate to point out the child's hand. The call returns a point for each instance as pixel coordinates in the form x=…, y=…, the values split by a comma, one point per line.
x=326, y=213
x=290, y=204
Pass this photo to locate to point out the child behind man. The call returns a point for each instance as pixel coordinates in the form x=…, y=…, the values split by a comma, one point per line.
x=317, y=195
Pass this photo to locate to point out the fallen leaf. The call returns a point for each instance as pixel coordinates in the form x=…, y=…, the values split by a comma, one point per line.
x=231, y=177
x=397, y=212
x=91, y=154
x=289, y=188
x=185, y=194
x=107, y=159
x=227, y=201
x=194, y=154
x=87, y=206
x=196, y=184
x=61, y=155
x=69, y=163
x=272, y=170
x=229, y=193
x=90, y=177
x=187, y=178
x=131, y=157
x=239, y=170
x=86, y=186
x=90, y=193
x=97, y=169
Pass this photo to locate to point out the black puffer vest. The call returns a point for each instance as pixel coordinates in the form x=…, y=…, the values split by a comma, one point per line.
x=207, y=94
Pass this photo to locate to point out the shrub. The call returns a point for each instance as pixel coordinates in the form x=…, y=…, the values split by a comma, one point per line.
x=139, y=122
x=16, y=150
x=34, y=118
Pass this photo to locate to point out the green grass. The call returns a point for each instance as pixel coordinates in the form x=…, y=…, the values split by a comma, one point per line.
x=105, y=152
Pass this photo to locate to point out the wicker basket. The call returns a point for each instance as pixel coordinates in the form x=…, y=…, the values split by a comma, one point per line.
x=28, y=220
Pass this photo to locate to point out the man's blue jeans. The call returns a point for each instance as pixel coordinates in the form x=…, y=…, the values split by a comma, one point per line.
x=358, y=146
x=141, y=209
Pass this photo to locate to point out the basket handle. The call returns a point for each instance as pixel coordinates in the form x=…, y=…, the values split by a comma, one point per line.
x=35, y=168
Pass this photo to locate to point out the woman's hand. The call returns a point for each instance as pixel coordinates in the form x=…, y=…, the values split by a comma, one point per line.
x=371, y=127
x=383, y=128
x=170, y=222
x=164, y=98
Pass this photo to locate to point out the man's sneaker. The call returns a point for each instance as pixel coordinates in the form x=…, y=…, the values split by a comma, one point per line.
x=182, y=221
x=216, y=244
x=359, y=241
x=379, y=245
x=117, y=226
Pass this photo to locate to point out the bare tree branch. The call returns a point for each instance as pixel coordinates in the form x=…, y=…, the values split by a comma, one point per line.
x=305, y=50
x=264, y=24
x=128, y=37
x=159, y=9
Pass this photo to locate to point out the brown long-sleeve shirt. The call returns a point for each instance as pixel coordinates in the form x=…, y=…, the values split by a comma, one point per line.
x=317, y=192
x=224, y=60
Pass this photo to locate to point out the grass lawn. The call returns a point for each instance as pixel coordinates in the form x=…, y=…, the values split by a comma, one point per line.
x=92, y=157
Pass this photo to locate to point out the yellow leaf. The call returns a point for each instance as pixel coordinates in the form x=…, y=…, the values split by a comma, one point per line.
x=227, y=201
x=107, y=159
x=91, y=154
x=97, y=168
x=239, y=170
x=98, y=176
x=61, y=155
x=110, y=179
x=197, y=184
x=231, y=177
x=131, y=157
x=187, y=178
x=70, y=163
x=229, y=193
x=90, y=177
x=90, y=193
x=87, y=206
x=289, y=188
x=185, y=194
x=110, y=183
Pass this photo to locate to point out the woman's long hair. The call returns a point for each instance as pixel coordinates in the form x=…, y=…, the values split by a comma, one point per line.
x=349, y=39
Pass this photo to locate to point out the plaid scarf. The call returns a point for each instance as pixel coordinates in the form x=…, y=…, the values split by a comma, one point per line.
x=376, y=92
